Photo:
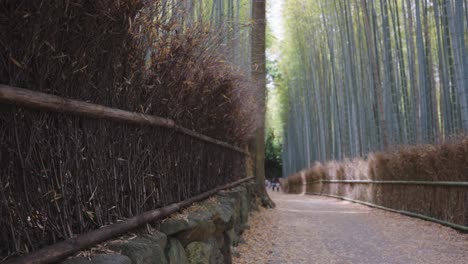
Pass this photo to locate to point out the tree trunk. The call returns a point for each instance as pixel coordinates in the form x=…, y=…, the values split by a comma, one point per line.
x=259, y=78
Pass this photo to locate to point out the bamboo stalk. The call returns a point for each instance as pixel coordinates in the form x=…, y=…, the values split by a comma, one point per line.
x=42, y=101
x=61, y=250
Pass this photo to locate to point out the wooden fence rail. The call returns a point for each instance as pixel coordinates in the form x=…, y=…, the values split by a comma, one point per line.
x=434, y=183
x=463, y=228
x=320, y=187
x=43, y=101
x=51, y=103
x=61, y=250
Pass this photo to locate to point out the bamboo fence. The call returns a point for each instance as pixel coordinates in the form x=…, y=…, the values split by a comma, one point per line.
x=69, y=167
x=444, y=202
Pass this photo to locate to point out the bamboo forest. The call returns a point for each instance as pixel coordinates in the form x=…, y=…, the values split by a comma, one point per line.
x=231, y=19
x=233, y=131
x=359, y=76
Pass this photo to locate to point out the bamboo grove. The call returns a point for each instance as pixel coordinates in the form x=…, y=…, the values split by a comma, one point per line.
x=361, y=76
x=229, y=18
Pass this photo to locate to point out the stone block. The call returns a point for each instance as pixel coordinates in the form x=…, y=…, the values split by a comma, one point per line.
x=111, y=259
x=232, y=199
x=222, y=215
x=78, y=260
x=216, y=256
x=176, y=252
x=233, y=236
x=201, y=232
x=156, y=237
x=198, y=252
x=100, y=259
x=141, y=251
x=173, y=226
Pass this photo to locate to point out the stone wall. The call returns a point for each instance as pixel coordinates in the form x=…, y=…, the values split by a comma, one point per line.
x=202, y=234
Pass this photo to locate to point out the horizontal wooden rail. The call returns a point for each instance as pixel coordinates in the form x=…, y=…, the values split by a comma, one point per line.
x=420, y=216
x=397, y=182
x=434, y=183
x=42, y=101
x=61, y=250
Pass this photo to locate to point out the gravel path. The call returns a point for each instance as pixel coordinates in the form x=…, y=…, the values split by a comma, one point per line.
x=313, y=229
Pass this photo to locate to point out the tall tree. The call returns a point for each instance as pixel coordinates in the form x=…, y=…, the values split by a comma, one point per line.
x=259, y=78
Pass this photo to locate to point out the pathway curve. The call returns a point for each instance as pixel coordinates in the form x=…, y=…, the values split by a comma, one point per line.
x=313, y=229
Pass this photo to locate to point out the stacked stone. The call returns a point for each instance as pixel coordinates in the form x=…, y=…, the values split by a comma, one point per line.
x=204, y=236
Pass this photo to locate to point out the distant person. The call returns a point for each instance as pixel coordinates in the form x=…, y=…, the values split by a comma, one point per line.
x=267, y=183
x=275, y=185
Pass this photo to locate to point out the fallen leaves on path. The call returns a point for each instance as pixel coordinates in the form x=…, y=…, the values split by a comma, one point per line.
x=258, y=239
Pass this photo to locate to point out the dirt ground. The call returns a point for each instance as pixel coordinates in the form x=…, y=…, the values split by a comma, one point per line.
x=313, y=229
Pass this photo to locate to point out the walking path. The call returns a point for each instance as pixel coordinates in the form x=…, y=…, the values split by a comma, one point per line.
x=313, y=229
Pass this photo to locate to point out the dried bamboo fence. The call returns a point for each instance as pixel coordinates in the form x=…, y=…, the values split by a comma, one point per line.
x=442, y=202
x=425, y=181
x=68, y=167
